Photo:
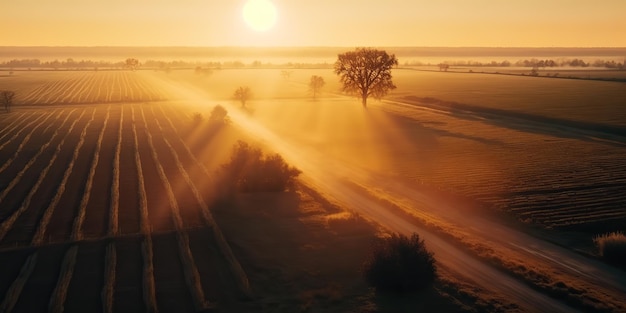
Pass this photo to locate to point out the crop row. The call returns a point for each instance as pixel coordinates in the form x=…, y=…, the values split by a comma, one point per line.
x=92, y=87
x=106, y=192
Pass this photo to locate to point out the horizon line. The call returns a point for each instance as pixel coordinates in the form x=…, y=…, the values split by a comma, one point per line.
x=311, y=46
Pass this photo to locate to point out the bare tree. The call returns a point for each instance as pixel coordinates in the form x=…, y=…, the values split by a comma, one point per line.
x=315, y=85
x=6, y=96
x=443, y=67
x=366, y=72
x=243, y=94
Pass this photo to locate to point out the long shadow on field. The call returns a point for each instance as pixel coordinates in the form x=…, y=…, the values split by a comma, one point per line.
x=427, y=136
x=532, y=123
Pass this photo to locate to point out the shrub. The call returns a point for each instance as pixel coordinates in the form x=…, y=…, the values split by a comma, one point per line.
x=197, y=118
x=249, y=170
x=400, y=264
x=219, y=115
x=612, y=247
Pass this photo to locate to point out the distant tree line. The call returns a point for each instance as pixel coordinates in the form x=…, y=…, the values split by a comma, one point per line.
x=131, y=63
x=533, y=63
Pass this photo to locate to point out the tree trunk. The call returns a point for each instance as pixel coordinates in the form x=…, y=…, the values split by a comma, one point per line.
x=364, y=101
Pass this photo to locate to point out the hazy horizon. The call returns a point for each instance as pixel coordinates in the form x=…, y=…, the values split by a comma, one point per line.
x=394, y=23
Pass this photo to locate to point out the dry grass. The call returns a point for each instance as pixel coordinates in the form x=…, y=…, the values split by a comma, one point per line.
x=612, y=247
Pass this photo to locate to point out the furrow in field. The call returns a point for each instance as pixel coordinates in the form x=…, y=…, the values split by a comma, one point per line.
x=149, y=289
x=15, y=123
x=99, y=209
x=129, y=216
x=153, y=91
x=189, y=208
x=192, y=277
x=59, y=294
x=98, y=91
x=80, y=81
x=572, y=209
x=128, y=90
x=39, y=288
x=82, y=209
x=75, y=94
x=84, y=292
x=118, y=87
x=75, y=179
x=579, y=218
x=109, y=87
x=15, y=291
x=85, y=93
x=143, y=199
x=108, y=289
x=31, y=191
x=64, y=90
x=46, y=89
x=115, y=185
x=149, y=285
x=6, y=224
x=31, y=94
x=235, y=268
x=24, y=128
x=38, y=238
x=185, y=146
x=26, y=139
x=85, y=90
x=129, y=289
x=159, y=214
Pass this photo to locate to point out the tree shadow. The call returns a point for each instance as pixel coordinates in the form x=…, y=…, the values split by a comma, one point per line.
x=526, y=122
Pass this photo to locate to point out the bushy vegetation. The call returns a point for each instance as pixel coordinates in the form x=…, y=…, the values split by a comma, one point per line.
x=249, y=170
x=219, y=115
x=612, y=247
x=400, y=264
x=197, y=118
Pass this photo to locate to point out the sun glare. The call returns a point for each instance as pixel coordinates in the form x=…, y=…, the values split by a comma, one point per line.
x=260, y=15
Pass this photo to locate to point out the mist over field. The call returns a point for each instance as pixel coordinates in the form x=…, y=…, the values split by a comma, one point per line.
x=251, y=179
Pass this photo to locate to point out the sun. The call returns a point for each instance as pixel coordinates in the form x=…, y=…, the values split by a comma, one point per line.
x=260, y=15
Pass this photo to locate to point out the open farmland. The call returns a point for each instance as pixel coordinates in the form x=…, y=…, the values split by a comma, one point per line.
x=82, y=87
x=119, y=193
x=104, y=206
x=549, y=151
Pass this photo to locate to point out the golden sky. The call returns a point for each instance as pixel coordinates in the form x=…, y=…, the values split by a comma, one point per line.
x=501, y=23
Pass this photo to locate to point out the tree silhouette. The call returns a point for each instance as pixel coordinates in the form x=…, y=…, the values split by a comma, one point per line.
x=243, y=94
x=131, y=63
x=315, y=85
x=286, y=74
x=6, y=96
x=366, y=72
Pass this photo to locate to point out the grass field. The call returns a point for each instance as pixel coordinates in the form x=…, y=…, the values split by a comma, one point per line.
x=103, y=172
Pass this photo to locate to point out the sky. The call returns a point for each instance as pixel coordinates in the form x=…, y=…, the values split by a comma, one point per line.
x=434, y=23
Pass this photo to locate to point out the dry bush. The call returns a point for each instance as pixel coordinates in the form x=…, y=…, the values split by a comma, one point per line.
x=612, y=247
x=400, y=264
x=249, y=170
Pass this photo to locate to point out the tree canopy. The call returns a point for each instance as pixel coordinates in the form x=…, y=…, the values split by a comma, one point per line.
x=366, y=72
x=6, y=97
x=242, y=94
x=315, y=85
